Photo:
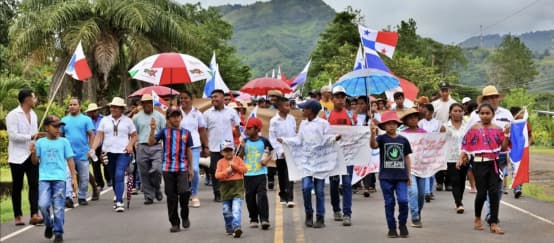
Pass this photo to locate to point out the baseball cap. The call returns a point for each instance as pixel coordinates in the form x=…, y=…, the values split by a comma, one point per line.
x=339, y=89
x=312, y=105
x=53, y=121
x=465, y=100
x=173, y=111
x=227, y=144
x=444, y=85
x=254, y=122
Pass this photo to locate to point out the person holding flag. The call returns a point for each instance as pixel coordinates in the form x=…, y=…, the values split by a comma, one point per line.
x=520, y=138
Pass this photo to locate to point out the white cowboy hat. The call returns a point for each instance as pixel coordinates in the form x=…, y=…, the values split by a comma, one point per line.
x=92, y=107
x=117, y=101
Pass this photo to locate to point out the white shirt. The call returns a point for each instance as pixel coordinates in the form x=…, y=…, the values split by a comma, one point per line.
x=313, y=130
x=442, y=109
x=20, y=134
x=192, y=122
x=455, y=138
x=220, y=126
x=281, y=128
x=116, y=143
x=431, y=126
x=502, y=117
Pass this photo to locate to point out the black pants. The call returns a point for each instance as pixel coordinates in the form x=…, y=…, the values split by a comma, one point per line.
x=442, y=178
x=177, y=193
x=214, y=157
x=271, y=171
x=487, y=182
x=18, y=171
x=97, y=169
x=458, y=180
x=256, y=197
x=286, y=187
x=369, y=181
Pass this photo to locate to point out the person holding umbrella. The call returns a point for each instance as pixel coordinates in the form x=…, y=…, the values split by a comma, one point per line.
x=118, y=134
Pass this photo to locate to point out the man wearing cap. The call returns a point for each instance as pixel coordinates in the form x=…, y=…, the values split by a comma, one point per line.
x=78, y=129
x=149, y=157
x=117, y=134
x=340, y=116
x=22, y=128
x=94, y=114
x=326, y=96
x=220, y=121
x=465, y=103
x=442, y=105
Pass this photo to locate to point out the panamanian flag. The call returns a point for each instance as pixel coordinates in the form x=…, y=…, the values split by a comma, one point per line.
x=519, y=138
x=78, y=67
x=158, y=102
x=380, y=41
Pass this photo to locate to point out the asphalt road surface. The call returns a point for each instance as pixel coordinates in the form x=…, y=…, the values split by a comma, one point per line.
x=524, y=220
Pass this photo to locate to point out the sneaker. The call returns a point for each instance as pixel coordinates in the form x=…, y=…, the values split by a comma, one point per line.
x=48, y=233
x=253, y=224
x=347, y=221
x=428, y=198
x=366, y=193
x=290, y=204
x=270, y=185
x=448, y=188
x=439, y=187
x=460, y=209
x=283, y=202
x=119, y=207
x=174, y=228
x=403, y=231
x=95, y=195
x=69, y=202
x=186, y=223
x=58, y=238
x=320, y=222
x=392, y=234
x=196, y=203
x=309, y=220
x=265, y=225
x=517, y=194
x=237, y=233
x=83, y=202
x=134, y=191
x=416, y=224
x=338, y=216
x=159, y=196
x=148, y=201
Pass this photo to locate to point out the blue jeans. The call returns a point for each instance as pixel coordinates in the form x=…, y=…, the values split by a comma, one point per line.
x=82, y=167
x=429, y=183
x=52, y=193
x=346, y=192
x=68, y=185
x=232, y=214
x=117, y=165
x=416, y=194
x=308, y=183
x=195, y=170
x=389, y=187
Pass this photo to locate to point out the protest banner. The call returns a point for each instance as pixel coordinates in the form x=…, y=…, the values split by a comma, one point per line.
x=429, y=152
x=354, y=143
x=371, y=166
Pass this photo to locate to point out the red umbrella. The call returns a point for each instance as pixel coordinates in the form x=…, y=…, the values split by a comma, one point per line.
x=160, y=90
x=170, y=68
x=261, y=86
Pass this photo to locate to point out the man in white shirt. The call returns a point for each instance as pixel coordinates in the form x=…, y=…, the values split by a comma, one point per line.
x=21, y=124
x=220, y=121
x=442, y=105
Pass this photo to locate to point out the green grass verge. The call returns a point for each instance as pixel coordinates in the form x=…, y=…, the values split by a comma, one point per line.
x=542, y=150
x=6, y=209
x=536, y=191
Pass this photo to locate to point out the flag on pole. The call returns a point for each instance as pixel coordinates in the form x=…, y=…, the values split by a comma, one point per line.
x=78, y=67
x=301, y=78
x=381, y=41
x=273, y=73
x=215, y=81
x=359, y=62
x=158, y=102
x=519, y=137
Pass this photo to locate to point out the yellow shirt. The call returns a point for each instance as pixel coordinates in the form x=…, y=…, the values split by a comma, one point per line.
x=329, y=104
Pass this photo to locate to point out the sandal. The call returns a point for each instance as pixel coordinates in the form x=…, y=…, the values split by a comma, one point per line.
x=477, y=225
x=495, y=229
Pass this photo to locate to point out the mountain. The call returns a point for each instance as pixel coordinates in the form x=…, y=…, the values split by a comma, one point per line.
x=537, y=41
x=279, y=32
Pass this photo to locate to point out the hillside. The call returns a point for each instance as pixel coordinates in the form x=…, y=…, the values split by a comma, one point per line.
x=537, y=41
x=279, y=32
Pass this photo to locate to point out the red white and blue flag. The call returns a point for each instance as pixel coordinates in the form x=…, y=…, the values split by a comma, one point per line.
x=301, y=78
x=158, y=102
x=78, y=67
x=519, y=154
x=359, y=62
x=380, y=41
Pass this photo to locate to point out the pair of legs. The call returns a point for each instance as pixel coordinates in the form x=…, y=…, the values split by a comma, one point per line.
x=346, y=192
x=286, y=187
x=389, y=189
x=232, y=210
x=196, y=172
x=117, y=166
x=18, y=171
x=97, y=168
x=52, y=195
x=256, y=197
x=488, y=183
x=177, y=193
x=214, y=158
x=149, y=160
x=416, y=194
x=457, y=178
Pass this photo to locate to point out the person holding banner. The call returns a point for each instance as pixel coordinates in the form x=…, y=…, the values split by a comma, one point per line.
x=394, y=171
x=364, y=118
x=484, y=141
x=340, y=116
x=457, y=176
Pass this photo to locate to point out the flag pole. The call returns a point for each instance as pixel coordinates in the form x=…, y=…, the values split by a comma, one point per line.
x=51, y=100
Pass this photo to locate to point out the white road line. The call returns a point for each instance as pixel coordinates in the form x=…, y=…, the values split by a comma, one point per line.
x=13, y=234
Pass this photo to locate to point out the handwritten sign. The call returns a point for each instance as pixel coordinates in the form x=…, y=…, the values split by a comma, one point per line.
x=429, y=151
x=371, y=166
x=354, y=144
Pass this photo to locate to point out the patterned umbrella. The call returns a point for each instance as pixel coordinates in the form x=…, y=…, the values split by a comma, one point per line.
x=160, y=90
x=261, y=86
x=367, y=81
x=170, y=68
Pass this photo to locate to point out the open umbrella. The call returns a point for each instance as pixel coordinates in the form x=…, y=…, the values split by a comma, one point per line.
x=160, y=90
x=367, y=81
x=170, y=68
x=261, y=86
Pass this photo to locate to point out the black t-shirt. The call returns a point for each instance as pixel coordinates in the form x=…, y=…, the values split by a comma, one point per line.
x=392, y=157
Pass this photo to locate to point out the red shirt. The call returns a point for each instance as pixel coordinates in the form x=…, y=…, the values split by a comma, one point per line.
x=340, y=118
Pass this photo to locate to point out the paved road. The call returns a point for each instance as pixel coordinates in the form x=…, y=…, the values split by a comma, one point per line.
x=98, y=223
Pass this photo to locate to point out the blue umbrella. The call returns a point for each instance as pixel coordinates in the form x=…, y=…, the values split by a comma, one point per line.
x=367, y=81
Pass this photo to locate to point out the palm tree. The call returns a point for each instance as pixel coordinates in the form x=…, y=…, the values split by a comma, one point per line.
x=114, y=34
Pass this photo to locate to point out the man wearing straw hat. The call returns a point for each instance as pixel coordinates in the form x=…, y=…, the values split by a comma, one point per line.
x=149, y=157
x=92, y=111
x=118, y=134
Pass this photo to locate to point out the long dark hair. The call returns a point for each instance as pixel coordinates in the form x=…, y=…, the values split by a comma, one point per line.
x=452, y=107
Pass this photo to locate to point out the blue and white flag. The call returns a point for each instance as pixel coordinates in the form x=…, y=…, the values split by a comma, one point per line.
x=301, y=78
x=359, y=62
x=215, y=81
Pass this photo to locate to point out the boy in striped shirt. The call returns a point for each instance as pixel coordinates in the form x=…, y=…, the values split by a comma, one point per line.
x=176, y=166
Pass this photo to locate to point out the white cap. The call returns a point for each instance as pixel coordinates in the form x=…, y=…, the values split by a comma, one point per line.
x=465, y=100
x=339, y=89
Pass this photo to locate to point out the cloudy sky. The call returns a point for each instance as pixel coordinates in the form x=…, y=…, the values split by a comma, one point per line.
x=448, y=21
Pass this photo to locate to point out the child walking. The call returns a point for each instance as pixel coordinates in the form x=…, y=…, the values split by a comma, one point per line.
x=54, y=155
x=176, y=166
x=394, y=171
x=256, y=156
x=230, y=172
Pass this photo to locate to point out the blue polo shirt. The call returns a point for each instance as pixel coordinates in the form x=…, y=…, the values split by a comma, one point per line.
x=53, y=155
x=75, y=130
